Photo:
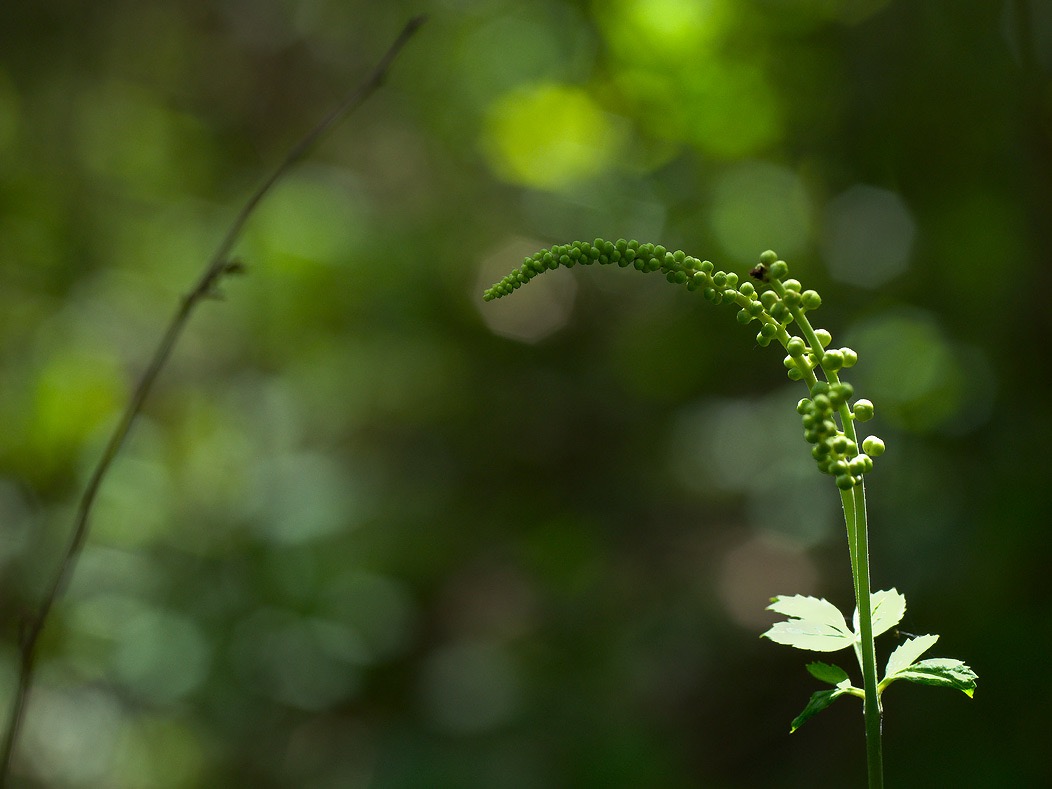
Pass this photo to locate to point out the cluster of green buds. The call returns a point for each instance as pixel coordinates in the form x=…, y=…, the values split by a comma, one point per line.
x=835, y=452
x=776, y=301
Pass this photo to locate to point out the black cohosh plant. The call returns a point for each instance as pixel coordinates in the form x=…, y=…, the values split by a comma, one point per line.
x=829, y=415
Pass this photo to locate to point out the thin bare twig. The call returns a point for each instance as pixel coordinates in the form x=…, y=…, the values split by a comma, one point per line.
x=206, y=286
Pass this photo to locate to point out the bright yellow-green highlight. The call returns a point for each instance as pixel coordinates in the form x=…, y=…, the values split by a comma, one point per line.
x=549, y=136
x=680, y=65
x=75, y=391
x=679, y=25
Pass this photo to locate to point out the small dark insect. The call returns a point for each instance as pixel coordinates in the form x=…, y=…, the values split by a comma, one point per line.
x=759, y=273
x=905, y=634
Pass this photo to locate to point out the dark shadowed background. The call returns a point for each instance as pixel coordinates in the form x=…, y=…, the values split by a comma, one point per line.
x=372, y=532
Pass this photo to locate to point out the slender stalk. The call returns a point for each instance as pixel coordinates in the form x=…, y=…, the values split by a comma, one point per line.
x=863, y=592
x=206, y=286
x=855, y=521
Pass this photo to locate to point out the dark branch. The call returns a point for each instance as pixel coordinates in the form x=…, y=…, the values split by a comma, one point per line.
x=206, y=287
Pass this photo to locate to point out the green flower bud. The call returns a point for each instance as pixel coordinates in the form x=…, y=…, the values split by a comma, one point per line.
x=768, y=299
x=850, y=357
x=795, y=347
x=839, y=467
x=792, y=284
x=744, y=317
x=861, y=464
x=823, y=405
x=769, y=330
x=795, y=374
x=845, y=481
x=780, y=312
x=832, y=360
x=805, y=406
x=840, y=444
x=792, y=299
x=820, y=388
x=747, y=290
x=762, y=339
x=824, y=337
x=863, y=410
x=873, y=446
x=768, y=257
x=811, y=300
x=778, y=270
x=840, y=393
x=819, y=451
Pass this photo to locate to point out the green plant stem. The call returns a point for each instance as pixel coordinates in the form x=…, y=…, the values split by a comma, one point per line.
x=855, y=521
x=859, y=536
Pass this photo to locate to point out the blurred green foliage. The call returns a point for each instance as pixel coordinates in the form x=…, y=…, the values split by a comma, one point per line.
x=372, y=532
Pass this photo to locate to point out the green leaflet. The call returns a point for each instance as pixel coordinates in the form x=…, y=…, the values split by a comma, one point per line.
x=819, y=701
x=888, y=609
x=814, y=624
x=908, y=652
x=825, y=672
x=941, y=672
